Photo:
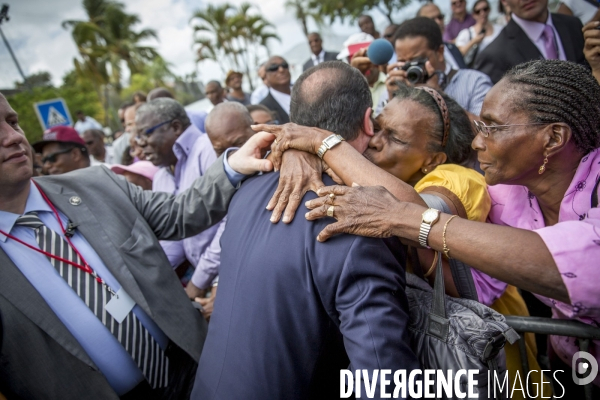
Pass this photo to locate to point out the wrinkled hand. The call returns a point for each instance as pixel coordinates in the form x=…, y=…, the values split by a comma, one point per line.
x=300, y=172
x=249, y=158
x=361, y=62
x=192, y=291
x=208, y=304
x=359, y=210
x=395, y=75
x=591, y=50
x=292, y=136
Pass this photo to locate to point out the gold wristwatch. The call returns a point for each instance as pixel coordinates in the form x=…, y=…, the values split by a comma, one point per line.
x=428, y=219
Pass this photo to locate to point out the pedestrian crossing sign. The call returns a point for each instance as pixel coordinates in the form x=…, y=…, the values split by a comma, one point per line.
x=53, y=113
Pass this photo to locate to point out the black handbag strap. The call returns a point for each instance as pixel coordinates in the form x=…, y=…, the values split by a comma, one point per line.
x=595, y=194
x=461, y=272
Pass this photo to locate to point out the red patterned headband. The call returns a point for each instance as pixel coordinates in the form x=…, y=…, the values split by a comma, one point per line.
x=443, y=109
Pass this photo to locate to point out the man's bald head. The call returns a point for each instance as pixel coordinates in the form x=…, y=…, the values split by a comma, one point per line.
x=332, y=96
x=228, y=125
x=159, y=92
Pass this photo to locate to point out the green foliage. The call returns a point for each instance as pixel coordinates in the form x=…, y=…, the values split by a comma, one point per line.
x=41, y=79
x=231, y=36
x=352, y=9
x=303, y=11
x=78, y=94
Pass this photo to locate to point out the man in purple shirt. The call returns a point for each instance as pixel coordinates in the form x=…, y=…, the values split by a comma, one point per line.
x=183, y=153
x=460, y=20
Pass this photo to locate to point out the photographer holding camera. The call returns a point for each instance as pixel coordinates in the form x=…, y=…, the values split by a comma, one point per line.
x=420, y=51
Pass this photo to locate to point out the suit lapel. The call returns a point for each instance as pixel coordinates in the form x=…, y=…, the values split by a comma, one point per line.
x=17, y=290
x=565, y=37
x=96, y=236
x=522, y=43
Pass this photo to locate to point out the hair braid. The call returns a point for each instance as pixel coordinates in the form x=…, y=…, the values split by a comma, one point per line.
x=560, y=91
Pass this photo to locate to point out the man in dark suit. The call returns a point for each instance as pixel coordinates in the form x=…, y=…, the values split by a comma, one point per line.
x=278, y=80
x=73, y=244
x=532, y=33
x=291, y=312
x=318, y=54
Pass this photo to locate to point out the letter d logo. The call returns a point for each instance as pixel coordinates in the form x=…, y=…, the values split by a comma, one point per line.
x=581, y=368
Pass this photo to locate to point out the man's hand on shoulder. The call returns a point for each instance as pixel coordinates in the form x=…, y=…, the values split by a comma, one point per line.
x=249, y=158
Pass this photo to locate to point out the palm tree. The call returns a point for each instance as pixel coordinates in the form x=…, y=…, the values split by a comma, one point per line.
x=303, y=10
x=231, y=36
x=107, y=39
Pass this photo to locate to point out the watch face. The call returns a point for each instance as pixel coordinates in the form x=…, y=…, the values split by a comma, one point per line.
x=430, y=216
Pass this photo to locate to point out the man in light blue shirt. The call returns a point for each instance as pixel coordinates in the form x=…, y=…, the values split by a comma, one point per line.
x=54, y=344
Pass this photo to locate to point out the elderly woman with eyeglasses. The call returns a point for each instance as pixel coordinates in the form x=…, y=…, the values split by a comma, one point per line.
x=538, y=144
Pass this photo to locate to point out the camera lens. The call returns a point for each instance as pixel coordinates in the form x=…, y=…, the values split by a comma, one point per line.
x=414, y=75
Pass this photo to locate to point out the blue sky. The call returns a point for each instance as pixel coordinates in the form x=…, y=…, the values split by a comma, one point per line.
x=41, y=44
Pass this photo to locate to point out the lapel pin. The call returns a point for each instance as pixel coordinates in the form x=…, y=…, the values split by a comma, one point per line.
x=75, y=200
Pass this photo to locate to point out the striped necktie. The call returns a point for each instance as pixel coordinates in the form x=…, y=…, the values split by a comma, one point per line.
x=131, y=333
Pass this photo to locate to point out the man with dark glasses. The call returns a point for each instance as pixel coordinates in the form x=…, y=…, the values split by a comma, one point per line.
x=62, y=150
x=278, y=79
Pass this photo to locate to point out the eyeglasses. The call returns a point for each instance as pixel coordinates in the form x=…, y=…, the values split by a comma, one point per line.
x=51, y=158
x=275, y=67
x=481, y=10
x=91, y=142
x=439, y=17
x=151, y=130
x=487, y=130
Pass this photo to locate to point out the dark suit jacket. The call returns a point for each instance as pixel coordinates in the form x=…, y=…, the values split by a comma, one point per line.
x=39, y=357
x=513, y=47
x=274, y=106
x=329, y=56
x=288, y=306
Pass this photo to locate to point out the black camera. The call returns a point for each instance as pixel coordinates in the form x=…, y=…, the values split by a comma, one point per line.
x=415, y=71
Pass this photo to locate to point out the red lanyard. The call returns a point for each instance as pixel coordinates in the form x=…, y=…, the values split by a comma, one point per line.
x=85, y=267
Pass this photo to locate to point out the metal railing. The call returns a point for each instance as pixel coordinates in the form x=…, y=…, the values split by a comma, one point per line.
x=558, y=327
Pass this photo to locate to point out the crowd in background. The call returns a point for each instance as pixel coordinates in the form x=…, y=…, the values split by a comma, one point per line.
x=498, y=119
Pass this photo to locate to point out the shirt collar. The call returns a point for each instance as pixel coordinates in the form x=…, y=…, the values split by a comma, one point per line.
x=320, y=56
x=533, y=30
x=35, y=202
x=185, y=142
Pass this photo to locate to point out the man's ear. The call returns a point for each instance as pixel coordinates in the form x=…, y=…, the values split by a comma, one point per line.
x=557, y=136
x=368, y=122
x=177, y=127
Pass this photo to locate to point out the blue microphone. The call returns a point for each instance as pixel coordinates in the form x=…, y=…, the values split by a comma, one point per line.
x=380, y=51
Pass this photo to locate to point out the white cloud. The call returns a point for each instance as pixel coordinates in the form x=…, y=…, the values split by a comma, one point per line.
x=41, y=44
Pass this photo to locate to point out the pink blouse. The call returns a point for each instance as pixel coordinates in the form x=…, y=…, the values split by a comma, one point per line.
x=574, y=243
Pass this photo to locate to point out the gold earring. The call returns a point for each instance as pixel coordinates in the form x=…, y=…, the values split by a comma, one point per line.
x=543, y=167
x=424, y=169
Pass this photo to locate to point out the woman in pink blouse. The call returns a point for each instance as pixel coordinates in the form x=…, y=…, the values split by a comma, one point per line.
x=538, y=144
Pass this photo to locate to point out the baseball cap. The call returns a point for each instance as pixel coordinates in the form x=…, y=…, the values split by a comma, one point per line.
x=143, y=168
x=232, y=73
x=61, y=134
x=354, y=43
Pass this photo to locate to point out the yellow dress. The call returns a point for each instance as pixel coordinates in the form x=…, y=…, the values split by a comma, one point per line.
x=470, y=188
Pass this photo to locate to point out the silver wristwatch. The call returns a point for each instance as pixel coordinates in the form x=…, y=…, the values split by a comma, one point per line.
x=328, y=143
x=429, y=217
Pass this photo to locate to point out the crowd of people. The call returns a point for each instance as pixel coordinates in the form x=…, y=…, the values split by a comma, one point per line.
x=255, y=250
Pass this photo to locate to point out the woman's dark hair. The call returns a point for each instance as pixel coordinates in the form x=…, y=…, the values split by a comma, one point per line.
x=481, y=1
x=458, y=146
x=559, y=91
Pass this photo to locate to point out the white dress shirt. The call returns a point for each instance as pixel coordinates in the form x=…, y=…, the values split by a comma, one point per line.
x=318, y=59
x=283, y=99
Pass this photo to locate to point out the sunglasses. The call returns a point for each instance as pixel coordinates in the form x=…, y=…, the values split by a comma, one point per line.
x=51, y=158
x=275, y=67
x=439, y=17
x=150, y=131
x=484, y=10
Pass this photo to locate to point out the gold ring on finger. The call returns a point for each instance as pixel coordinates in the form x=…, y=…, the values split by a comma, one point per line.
x=330, y=211
x=275, y=141
x=332, y=197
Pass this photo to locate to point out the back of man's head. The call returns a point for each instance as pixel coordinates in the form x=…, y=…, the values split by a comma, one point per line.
x=332, y=96
x=228, y=125
x=158, y=93
x=421, y=27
